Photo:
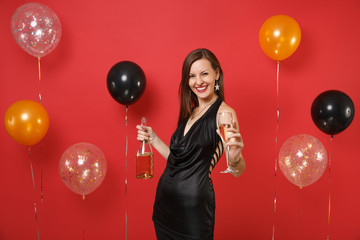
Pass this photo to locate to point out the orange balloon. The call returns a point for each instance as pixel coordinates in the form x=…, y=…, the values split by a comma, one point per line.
x=26, y=122
x=279, y=37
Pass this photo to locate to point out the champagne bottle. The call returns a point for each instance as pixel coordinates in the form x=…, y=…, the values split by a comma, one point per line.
x=144, y=158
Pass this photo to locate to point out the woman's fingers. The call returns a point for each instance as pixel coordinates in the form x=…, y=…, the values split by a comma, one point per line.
x=235, y=139
x=142, y=133
x=145, y=133
x=234, y=134
x=237, y=144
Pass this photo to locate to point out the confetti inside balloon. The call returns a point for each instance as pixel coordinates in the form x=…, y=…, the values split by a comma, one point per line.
x=36, y=29
x=302, y=159
x=82, y=168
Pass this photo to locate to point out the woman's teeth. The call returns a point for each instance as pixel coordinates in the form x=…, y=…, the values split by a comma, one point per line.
x=201, y=88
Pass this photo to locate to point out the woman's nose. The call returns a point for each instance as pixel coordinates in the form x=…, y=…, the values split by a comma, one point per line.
x=199, y=80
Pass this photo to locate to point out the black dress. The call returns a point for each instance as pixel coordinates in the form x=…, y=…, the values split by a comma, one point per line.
x=185, y=202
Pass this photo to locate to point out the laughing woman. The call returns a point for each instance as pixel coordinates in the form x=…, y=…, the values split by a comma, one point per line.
x=184, y=205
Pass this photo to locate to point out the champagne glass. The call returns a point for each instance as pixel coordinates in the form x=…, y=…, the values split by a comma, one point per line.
x=225, y=122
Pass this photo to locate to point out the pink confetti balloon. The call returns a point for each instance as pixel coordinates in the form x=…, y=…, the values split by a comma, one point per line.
x=36, y=29
x=82, y=168
x=302, y=159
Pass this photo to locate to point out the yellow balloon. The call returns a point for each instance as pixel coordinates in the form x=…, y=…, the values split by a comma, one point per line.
x=26, y=122
x=279, y=37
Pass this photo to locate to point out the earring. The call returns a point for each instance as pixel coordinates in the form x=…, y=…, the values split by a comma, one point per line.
x=217, y=87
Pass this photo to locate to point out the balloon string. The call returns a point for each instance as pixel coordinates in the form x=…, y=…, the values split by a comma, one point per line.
x=277, y=77
x=35, y=211
x=329, y=211
x=301, y=212
x=126, y=153
x=277, y=94
x=39, y=78
x=126, y=223
x=126, y=112
x=39, y=69
x=33, y=181
x=32, y=171
x=41, y=182
x=276, y=142
x=273, y=235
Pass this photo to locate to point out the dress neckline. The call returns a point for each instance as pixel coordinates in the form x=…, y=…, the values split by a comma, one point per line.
x=184, y=134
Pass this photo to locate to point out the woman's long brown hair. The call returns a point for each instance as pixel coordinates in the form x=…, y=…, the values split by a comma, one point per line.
x=188, y=100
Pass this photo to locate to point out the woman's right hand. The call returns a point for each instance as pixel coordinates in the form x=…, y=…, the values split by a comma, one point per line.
x=145, y=133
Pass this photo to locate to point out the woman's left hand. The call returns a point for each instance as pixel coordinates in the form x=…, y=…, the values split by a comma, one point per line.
x=235, y=142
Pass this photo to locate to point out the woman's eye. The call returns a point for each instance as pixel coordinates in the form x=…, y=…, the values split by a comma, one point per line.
x=205, y=74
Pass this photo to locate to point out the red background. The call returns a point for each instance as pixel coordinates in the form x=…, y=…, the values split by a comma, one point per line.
x=158, y=35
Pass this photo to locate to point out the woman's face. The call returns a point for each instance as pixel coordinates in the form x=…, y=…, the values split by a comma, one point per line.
x=202, y=79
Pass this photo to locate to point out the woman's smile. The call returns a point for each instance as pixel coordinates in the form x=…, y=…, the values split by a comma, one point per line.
x=202, y=89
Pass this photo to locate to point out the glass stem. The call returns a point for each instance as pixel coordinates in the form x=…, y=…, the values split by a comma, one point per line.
x=227, y=156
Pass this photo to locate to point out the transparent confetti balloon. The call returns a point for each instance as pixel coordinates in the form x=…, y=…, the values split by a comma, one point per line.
x=302, y=159
x=82, y=168
x=36, y=29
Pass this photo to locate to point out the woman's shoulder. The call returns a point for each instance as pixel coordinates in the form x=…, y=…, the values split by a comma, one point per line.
x=224, y=107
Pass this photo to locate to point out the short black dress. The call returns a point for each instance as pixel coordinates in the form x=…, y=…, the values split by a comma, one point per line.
x=184, y=205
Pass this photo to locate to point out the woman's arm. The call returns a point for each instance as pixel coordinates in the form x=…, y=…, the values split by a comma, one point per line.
x=147, y=133
x=235, y=143
x=238, y=164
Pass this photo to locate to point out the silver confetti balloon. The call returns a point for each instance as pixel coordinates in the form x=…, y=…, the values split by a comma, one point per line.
x=36, y=29
x=82, y=168
x=302, y=159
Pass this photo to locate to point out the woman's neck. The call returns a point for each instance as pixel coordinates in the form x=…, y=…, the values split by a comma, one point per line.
x=204, y=102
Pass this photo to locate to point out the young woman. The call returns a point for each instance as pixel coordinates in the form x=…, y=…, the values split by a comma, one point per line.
x=184, y=205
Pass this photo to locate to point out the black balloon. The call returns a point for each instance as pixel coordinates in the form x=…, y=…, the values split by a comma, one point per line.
x=332, y=111
x=126, y=82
